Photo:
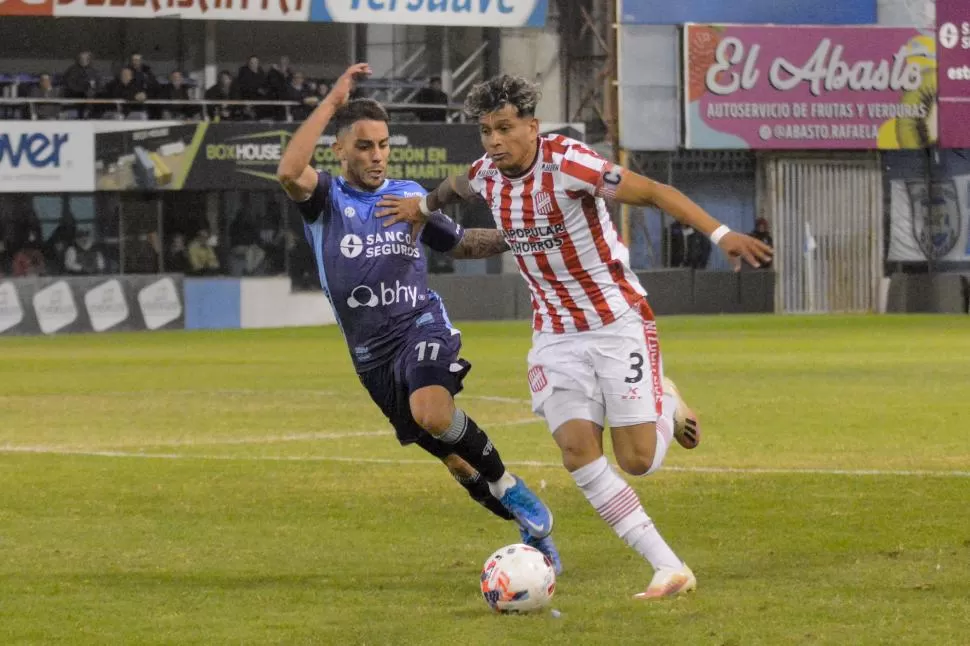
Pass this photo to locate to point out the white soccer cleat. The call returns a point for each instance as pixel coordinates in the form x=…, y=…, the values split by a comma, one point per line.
x=667, y=582
x=687, y=430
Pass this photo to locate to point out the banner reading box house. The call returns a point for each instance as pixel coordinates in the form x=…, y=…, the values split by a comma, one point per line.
x=66, y=305
x=771, y=87
x=226, y=156
x=953, y=18
x=46, y=157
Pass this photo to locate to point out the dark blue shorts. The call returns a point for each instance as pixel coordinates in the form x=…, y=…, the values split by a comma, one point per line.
x=429, y=357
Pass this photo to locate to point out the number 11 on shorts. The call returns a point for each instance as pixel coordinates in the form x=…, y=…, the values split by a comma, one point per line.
x=423, y=346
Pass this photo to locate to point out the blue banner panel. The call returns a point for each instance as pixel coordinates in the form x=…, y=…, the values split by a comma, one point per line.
x=446, y=13
x=779, y=12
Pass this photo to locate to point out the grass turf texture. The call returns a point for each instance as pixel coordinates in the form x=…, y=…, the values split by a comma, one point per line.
x=258, y=522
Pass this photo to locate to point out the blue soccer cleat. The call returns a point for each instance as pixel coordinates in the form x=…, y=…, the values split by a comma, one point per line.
x=533, y=515
x=544, y=545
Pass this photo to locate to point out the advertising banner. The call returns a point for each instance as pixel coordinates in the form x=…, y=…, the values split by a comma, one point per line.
x=46, y=156
x=265, y=10
x=26, y=7
x=448, y=13
x=929, y=220
x=226, y=156
x=454, y=13
x=953, y=18
x=91, y=304
x=816, y=12
x=783, y=88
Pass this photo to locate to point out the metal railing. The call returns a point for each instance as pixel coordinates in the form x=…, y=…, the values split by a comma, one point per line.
x=453, y=110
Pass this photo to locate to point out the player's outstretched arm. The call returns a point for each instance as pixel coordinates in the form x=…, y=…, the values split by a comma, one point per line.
x=417, y=210
x=637, y=190
x=294, y=171
x=480, y=243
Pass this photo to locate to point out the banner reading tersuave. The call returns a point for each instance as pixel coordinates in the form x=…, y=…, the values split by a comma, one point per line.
x=809, y=87
x=953, y=18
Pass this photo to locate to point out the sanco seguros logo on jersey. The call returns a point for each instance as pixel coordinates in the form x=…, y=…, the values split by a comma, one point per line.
x=374, y=245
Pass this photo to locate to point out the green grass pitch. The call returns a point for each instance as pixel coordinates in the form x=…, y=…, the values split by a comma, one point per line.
x=239, y=488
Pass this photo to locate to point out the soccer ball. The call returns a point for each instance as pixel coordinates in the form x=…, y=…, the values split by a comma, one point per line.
x=518, y=578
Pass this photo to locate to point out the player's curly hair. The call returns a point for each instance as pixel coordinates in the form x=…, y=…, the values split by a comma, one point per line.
x=358, y=110
x=495, y=93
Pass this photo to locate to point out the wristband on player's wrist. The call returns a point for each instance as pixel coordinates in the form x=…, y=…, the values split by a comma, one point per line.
x=719, y=233
x=423, y=205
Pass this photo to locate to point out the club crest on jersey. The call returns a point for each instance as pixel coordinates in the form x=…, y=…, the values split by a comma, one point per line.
x=543, y=203
x=350, y=212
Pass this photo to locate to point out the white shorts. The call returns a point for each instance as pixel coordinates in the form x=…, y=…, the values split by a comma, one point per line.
x=612, y=374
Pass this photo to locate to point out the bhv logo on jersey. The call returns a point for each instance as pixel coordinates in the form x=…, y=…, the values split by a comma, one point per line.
x=364, y=296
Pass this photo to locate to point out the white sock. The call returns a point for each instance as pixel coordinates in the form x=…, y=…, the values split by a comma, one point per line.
x=665, y=433
x=669, y=406
x=499, y=487
x=617, y=504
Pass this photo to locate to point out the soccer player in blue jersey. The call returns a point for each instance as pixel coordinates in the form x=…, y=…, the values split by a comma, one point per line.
x=403, y=346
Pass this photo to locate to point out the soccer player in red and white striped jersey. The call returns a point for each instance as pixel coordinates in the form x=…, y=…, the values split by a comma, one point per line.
x=595, y=356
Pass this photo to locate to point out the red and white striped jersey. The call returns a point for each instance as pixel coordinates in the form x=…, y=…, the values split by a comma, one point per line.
x=555, y=220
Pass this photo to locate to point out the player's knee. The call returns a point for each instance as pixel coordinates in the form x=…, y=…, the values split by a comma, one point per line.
x=635, y=464
x=578, y=450
x=435, y=422
x=432, y=410
x=636, y=460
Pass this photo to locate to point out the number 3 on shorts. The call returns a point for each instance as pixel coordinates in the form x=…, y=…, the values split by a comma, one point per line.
x=636, y=365
x=433, y=349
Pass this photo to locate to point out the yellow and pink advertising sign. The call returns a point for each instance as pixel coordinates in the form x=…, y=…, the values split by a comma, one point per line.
x=794, y=87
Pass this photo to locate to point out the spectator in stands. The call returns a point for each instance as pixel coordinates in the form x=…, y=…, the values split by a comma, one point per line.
x=63, y=237
x=177, y=91
x=763, y=233
x=246, y=255
x=225, y=91
x=251, y=85
x=28, y=260
x=81, y=82
x=45, y=90
x=142, y=76
x=83, y=258
x=698, y=249
x=277, y=81
x=177, y=259
x=123, y=87
x=432, y=94
x=298, y=90
x=202, y=255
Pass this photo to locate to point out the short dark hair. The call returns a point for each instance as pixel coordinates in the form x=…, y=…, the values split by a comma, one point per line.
x=358, y=110
x=495, y=93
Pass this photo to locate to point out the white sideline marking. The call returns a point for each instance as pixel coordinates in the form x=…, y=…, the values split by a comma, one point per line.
x=921, y=473
x=81, y=449
x=237, y=392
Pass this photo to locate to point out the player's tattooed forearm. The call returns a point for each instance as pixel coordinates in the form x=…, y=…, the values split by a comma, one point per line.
x=453, y=189
x=480, y=243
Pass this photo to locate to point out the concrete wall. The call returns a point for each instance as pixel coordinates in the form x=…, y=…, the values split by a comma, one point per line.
x=226, y=303
x=937, y=293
